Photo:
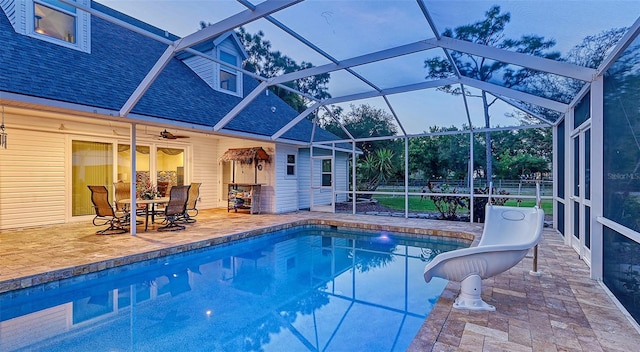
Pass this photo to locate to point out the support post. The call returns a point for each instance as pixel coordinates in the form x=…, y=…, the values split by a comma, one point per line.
x=535, y=271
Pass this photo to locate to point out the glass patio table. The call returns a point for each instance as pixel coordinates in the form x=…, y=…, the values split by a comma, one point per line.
x=149, y=207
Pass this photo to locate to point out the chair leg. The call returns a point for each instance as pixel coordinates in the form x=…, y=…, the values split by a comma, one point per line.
x=115, y=228
x=188, y=218
x=172, y=225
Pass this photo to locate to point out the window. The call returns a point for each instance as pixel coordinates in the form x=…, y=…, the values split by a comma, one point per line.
x=55, y=19
x=291, y=164
x=143, y=165
x=170, y=167
x=228, y=76
x=56, y=22
x=326, y=173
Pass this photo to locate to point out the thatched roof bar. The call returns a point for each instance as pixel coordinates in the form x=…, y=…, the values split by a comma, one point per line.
x=246, y=155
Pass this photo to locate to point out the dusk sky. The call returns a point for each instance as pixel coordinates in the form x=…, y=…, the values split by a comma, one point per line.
x=351, y=28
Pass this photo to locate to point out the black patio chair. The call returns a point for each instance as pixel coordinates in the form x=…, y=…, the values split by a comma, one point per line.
x=105, y=214
x=176, y=208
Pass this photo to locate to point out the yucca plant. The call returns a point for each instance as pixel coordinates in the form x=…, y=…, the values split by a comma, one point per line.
x=375, y=169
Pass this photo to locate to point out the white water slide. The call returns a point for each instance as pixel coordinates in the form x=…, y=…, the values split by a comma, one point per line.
x=509, y=233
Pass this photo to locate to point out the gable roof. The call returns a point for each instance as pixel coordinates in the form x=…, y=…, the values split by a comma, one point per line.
x=118, y=62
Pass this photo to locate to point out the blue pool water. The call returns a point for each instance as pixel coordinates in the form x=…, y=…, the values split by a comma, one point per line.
x=301, y=289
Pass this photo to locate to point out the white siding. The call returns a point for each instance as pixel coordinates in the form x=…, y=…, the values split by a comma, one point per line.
x=230, y=46
x=342, y=175
x=205, y=168
x=9, y=8
x=286, y=190
x=204, y=68
x=32, y=171
x=27, y=330
x=304, y=179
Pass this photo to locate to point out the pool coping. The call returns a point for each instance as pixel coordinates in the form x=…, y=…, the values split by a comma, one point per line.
x=18, y=283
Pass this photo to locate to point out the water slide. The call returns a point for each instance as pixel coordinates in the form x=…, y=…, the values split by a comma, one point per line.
x=509, y=233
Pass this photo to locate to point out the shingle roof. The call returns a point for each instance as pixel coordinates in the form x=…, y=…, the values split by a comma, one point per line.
x=118, y=62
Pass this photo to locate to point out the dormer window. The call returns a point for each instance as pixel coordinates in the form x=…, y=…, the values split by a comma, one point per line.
x=229, y=77
x=54, y=19
x=221, y=75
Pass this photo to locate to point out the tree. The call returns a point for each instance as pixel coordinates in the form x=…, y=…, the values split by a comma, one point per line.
x=517, y=165
x=267, y=63
x=522, y=151
x=375, y=169
x=589, y=53
x=364, y=121
x=490, y=32
x=443, y=156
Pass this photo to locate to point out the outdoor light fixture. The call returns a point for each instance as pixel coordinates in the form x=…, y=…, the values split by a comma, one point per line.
x=38, y=29
x=3, y=134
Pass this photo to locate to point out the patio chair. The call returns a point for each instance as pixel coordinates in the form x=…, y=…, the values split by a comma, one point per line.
x=105, y=214
x=191, y=212
x=123, y=192
x=176, y=208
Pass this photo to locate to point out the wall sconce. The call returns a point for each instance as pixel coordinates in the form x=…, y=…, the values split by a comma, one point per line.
x=3, y=134
x=38, y=28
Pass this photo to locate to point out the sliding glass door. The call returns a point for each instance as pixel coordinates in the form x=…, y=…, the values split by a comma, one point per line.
x=92, y=164
x=97, y=163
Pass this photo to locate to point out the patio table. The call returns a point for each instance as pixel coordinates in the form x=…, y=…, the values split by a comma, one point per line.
x=148, y=203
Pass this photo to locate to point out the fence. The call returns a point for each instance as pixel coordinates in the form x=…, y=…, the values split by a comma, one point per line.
x=524, y=187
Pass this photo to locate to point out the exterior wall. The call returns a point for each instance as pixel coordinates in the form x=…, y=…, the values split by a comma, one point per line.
x=32, y=175
x=35, y=327
x=286, y=190
x=9, y=8
x=205, y=170
x=320, y=196
x=204, y=68
x=35, y=170
x=304, y=178
x=341, y=174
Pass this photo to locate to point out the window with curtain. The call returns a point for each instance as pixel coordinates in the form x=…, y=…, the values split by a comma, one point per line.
x=169, y=168
x=143, y=165
x=92, y=164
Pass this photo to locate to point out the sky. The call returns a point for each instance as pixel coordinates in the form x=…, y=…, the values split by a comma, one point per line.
x=349, y=28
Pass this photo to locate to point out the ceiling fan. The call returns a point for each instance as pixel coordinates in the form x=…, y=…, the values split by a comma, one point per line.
x=168, y=135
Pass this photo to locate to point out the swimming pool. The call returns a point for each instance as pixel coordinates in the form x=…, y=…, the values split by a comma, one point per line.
x=303, y=289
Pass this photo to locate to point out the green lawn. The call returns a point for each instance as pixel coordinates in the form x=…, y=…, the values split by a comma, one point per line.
x=426, y=205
